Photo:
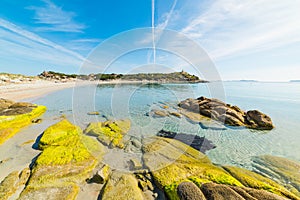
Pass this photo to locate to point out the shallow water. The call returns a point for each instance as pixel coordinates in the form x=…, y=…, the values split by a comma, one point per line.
x=281, y=101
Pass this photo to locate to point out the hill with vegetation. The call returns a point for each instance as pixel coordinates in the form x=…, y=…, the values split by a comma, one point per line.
x=151, y=77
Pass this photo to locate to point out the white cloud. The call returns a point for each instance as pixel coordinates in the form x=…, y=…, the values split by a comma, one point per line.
x=22, y=49
x=228, y=28
x=54, y=18
x=36, y=39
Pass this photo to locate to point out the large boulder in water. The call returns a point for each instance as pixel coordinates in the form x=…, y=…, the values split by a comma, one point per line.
x=259, y=120
x=226, y=113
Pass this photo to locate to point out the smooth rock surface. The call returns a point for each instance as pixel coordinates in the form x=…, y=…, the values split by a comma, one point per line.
x=189, y=191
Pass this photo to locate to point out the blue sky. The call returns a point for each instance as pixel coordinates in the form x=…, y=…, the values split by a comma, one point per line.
x=245, y=39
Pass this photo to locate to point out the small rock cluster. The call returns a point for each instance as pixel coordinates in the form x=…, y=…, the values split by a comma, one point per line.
x=228, y=114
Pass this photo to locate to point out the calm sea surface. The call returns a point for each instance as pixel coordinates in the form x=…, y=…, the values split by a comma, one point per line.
x=281, y=101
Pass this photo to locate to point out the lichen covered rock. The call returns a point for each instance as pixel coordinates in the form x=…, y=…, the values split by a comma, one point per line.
x=122, y=186
x=172, y=162
x=189, y=191
x=254, y=180
x=14, y=116
x=110, y=133
x=67, y=159
x=13, y=182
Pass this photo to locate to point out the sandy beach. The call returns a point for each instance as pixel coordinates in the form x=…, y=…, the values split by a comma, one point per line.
x=17, y=92
x=35, y=89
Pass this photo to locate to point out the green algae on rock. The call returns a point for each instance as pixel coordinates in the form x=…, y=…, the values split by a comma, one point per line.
x=172, y=162
x=282, y=170
x=14, y=116
x=67, y=159
x=253, y=180
x=110, y=133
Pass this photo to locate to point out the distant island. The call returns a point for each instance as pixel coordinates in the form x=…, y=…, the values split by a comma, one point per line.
x=295, y=81
x=242, y=81
x=174, y=77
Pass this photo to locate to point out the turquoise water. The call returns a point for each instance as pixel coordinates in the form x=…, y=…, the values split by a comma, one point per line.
x=281, y=101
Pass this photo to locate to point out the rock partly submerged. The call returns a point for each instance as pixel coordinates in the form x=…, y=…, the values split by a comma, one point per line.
x=226, y=113
x=282, y=170
x=200, y=143
x=16, y=115
x=172, y=162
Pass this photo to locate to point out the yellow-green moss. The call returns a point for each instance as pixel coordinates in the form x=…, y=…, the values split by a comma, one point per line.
x=199, y=181
x=171, y=191
x=216, y=175
x=254, y=180
x=64, y=143
x=9, y=185
x=109, y=132
x=67, y=159
x=60, y=134
x=10, y=125
x=173, y=162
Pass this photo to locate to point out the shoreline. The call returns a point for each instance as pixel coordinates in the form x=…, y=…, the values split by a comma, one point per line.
x=40, y=88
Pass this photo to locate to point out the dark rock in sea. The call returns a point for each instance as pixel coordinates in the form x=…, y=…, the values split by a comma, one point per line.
x=227, y=114
x=37, y=121
x=189, y=191
x=200, y=143
x=259, y=120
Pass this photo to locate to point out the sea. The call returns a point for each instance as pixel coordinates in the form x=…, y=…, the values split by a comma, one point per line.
x=234, y=146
